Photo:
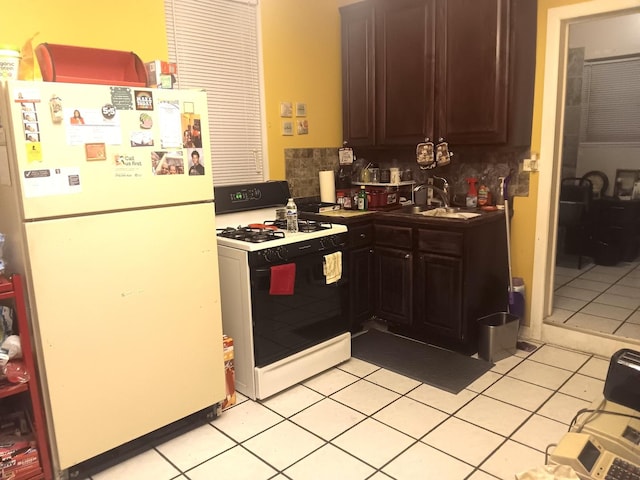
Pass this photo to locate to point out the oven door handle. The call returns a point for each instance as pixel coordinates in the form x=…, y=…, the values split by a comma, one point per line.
x=267, y=271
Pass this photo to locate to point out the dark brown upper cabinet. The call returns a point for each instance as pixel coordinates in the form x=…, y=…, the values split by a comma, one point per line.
x=358, y=115
x=458, y=69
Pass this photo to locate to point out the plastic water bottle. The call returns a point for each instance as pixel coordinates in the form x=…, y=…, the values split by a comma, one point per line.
x=292, y=216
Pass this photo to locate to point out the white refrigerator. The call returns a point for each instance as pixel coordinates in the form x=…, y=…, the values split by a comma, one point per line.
x=117, y=243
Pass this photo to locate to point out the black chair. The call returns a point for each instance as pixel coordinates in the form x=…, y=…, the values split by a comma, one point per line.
x=575, y=217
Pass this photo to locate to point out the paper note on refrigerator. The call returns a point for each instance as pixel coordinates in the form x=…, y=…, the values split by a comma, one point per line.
x=44, y=182
x=170, y=126
x=91, y=126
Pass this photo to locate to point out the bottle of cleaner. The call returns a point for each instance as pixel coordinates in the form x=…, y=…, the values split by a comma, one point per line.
x=472, y=194
x=362, y=198
x=500, y=195
x=292, y=216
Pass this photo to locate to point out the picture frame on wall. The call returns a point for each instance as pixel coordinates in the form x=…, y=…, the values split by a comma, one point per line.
x=301, y=109
x=625, y=182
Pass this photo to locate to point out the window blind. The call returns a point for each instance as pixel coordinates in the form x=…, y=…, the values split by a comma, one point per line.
x=611, y=101
x=216, y=46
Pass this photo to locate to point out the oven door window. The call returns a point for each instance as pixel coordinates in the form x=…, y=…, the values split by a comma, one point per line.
x=287, y=324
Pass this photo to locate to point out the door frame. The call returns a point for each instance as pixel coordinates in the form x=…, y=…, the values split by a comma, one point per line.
x=558, y=20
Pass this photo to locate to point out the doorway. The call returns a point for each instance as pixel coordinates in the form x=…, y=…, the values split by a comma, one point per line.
x=559, y=20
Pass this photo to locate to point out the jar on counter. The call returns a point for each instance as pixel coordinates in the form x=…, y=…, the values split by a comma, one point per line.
x=348, y=204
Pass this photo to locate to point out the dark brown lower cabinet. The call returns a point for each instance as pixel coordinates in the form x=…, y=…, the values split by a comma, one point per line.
x=434, y=280
x=438, y=291
x=394, y=274
x=361, y=285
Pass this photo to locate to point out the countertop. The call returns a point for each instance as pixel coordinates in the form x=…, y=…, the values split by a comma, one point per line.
x=348, y=217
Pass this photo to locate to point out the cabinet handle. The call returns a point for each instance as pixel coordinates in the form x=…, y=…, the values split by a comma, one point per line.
x=407, y=256
x=362, y=235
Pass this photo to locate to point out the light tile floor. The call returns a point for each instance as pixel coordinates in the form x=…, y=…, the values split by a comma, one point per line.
x=357, y=421
x=599, y=298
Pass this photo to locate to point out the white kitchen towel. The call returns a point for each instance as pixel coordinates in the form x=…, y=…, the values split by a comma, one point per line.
x=332, y=267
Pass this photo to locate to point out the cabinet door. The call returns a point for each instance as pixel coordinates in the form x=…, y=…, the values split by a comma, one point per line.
x=405, y=63
x=358, y=74
x=472, y=71
x=361, y=268
x=394, y=276
x=438, y=294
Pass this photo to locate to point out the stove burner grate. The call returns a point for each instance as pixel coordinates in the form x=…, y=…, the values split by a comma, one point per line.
x=250, y=234
x=304, y=226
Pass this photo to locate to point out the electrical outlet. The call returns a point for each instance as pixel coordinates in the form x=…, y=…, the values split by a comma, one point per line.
x=530, y=164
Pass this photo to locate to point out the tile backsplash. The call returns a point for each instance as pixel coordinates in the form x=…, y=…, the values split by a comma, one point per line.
x=302, y=166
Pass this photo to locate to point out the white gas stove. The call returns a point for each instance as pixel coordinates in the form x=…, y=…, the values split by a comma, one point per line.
x=285, y=312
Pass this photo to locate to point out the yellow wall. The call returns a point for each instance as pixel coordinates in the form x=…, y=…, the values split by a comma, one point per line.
x=136, y=26
x=301, y=51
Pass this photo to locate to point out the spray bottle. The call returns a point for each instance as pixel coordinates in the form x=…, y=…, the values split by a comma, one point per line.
x=472, y=194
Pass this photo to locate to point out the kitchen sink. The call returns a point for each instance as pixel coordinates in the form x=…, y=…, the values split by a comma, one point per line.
x=449, y=212
x=414, y=209
x=440, y=212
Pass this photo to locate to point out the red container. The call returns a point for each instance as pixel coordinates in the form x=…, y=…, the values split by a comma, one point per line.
x=71, y=64
x=382, y=197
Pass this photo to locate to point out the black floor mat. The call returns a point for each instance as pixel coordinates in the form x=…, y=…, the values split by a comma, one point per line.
x=434, y=366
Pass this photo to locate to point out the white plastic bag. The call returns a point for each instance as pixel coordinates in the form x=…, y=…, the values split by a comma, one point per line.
x=549, y=472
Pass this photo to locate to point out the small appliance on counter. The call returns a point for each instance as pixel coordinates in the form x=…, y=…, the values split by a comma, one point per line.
x=316, y=207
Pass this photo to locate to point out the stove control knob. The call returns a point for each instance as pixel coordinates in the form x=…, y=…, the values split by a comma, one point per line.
x=269, y=255
x=274, y=254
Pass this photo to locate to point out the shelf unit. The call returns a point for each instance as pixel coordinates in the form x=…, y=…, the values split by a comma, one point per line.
x=391, y=186
x=12, y=290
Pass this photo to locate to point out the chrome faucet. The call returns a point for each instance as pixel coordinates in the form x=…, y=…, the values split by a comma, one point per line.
x=445, y=186
x=444, y=194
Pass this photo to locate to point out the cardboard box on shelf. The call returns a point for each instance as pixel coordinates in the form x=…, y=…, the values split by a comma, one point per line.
x=22, y=465
x=12, y=444
x=229, y=372
x=161, y=74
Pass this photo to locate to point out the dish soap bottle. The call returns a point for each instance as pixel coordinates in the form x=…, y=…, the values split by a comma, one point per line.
x=362, y=198
x=292, y=216
x=500, y=196
x=484, y=195
x=472, y=194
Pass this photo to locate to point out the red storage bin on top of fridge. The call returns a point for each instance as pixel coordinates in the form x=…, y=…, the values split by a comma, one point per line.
x=71, y=64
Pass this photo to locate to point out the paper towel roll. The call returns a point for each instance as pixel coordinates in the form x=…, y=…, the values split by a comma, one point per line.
x=327, y=187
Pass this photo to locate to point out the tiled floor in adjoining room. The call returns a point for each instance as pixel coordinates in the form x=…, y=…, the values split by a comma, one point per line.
x=599, y=298
x=357, y=421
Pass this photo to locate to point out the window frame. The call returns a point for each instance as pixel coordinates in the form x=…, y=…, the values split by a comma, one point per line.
x=615, y=89
x=232, y=75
